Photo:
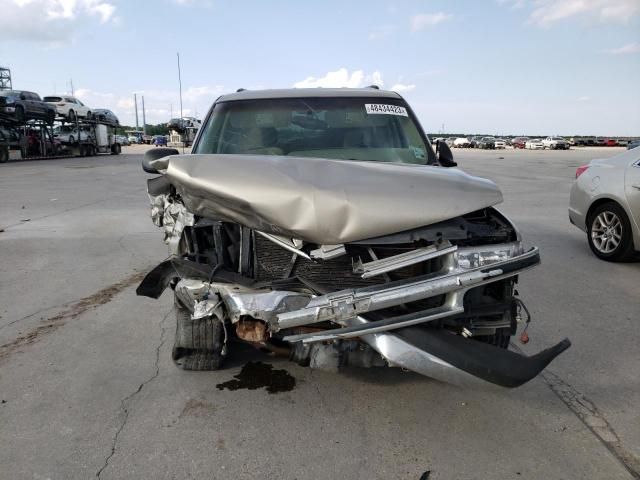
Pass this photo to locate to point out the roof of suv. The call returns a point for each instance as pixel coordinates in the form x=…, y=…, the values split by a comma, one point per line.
x=307, y=93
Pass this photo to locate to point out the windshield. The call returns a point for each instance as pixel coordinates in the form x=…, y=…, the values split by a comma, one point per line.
x=375, y=129
x=52, y=99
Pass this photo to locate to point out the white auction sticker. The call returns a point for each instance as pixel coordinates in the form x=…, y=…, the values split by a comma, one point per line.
x=383, y=109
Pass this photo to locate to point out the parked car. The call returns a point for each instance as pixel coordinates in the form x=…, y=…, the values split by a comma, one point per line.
x=623, y=142
x=611, y=142
x=519, y=142
x=160, y=141
x=21, y=106
x=38, y=144
x=475, y=141
x=534, y=144
x=500, y=143
x=68, y=107
x=555, y=143
x=462, y=142
x=605, y=203
x=343, y=180
x=106, y=116
x=69, y=134
x=123, y=140
x=633, y=144
x=487, y=143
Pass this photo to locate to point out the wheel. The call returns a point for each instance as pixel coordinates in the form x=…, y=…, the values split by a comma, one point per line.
x=89, y=116
x=4, y=154
x=20, y=114
x=51, y=117
x=199, y=343
x=609, y=233
x=71, y=139
x=71, y=116
x=116, y=149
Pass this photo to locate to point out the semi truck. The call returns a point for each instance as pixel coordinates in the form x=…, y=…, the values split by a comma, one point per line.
x=35, y=139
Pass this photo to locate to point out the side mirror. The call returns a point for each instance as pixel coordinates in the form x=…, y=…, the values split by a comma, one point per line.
x=155, y=154
x=445, y=155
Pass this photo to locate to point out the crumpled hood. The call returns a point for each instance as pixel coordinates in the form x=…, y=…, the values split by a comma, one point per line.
x=321, y=200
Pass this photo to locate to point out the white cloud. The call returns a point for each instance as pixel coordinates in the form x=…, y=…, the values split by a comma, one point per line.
x=399, y=87
x=424, y=20
x=629, y=48
x=51, y=22
x=547, y=12
x=342, y=78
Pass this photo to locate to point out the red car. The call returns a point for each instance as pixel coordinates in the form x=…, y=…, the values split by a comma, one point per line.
x=519, y=142
x=610, y=142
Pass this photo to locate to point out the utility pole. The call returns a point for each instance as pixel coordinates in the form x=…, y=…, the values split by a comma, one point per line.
x=180, y=85
x=144, y=118
x=72, y=91
x=135, y=102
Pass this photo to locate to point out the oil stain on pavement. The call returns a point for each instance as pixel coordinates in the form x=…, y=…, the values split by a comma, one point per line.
x=256, y=375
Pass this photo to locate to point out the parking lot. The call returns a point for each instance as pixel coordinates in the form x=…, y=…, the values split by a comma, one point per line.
x=88, y=388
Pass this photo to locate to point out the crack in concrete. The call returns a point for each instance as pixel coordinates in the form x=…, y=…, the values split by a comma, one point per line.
x=76, y=309
x=124, y=403
x=589, y=414
x=594, y=420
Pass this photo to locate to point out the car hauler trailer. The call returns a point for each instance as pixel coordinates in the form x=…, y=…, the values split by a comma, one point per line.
x=35, y=139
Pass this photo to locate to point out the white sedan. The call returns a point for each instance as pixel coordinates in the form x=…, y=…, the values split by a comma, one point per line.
x=534, y=144
x=462, y=142
x=71, y=135
x=500, y=144
x=555, y=143
x=605, y=203
x=69, y=107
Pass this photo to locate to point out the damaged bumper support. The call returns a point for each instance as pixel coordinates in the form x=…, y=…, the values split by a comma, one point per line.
x=346, y=304
x=435, y=353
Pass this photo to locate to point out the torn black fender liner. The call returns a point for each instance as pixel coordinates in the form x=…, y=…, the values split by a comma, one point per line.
x=158, y=279
x=487, y=362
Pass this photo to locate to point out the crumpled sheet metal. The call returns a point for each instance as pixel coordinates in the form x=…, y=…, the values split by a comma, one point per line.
x=171, y=216
x=320, y=200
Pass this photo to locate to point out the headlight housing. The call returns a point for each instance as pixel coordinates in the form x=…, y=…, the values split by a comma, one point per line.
x=467, y=258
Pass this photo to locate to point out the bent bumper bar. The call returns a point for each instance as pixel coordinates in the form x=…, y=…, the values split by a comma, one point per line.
x=343, y=305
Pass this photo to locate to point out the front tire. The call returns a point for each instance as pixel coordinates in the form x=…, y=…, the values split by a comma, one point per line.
x=199, y=343
x=609, y=233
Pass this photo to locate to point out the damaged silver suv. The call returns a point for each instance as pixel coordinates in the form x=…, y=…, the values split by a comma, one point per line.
x=320, y=224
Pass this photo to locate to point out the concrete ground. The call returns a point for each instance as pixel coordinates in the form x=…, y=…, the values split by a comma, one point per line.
x=88, y=388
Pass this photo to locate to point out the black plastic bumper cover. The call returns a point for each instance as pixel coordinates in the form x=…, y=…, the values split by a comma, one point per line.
x=490, y=363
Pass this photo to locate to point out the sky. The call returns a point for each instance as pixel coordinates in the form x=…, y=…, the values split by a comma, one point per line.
x=552, y=67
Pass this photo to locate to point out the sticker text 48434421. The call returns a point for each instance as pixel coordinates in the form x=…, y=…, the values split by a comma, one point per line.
x=384, y=109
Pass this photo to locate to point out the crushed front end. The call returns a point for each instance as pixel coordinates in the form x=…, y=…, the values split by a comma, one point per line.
x=437, y=299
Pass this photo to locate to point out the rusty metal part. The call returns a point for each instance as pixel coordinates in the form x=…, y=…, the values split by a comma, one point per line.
x=250, y=330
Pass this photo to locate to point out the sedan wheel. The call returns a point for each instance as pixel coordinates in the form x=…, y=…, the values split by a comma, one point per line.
x=610, y=233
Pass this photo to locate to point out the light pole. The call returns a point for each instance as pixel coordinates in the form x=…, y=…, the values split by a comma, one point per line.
x=144, y=118
x=135, y=102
